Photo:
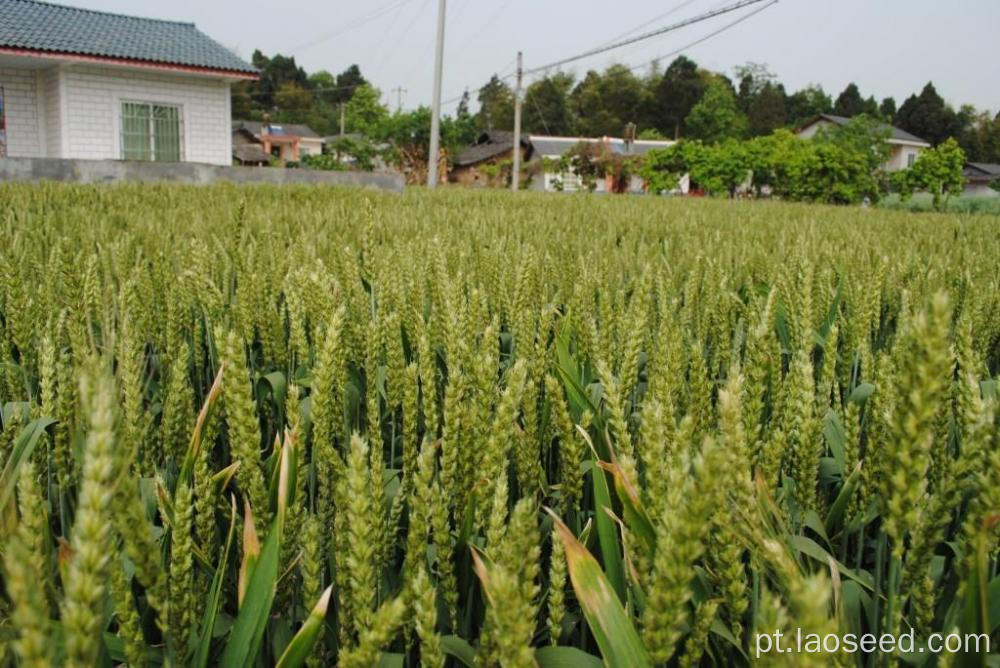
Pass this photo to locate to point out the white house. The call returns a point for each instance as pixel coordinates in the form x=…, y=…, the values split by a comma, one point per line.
x=904, y=147
x=547, y=148
x=77, y=83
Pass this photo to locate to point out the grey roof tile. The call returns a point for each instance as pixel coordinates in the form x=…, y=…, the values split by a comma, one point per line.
x=894, y=132
x=296, y=129
x=43, y=26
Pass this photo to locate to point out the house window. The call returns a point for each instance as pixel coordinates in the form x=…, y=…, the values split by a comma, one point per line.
x=910, y=159
x=151, y=132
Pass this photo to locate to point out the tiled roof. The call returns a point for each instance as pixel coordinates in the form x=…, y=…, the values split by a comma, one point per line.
x=489, y=144
x=894, y=132
x=43, y=26
x=553, y=146
x=250, y=153
x=296, y=129
x=981, y=172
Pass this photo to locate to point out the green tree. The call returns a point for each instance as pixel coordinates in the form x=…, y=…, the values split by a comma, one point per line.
x=752, y=78
x=679, y=89
x=364, y=111
x=850, y=103
x=496, y=106
x=806, y=103
x=604, y=103
x=927, y=116
x=887, y=109
x=716, y=116
x=292, y=102
x=937, y=171
x=347, y=83
x=275, y=72
x=322, y=83
x=465, y=122
x=546, y=107
x=767, y=111
x=863, y=135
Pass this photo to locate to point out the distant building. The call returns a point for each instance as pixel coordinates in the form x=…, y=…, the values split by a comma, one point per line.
x=980, y=179
x=491, y=148
x=77, y=83
x=905, y=148
x=549, y=149
x=287, y=142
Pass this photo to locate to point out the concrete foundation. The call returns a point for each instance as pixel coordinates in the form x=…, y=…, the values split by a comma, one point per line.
x=114, y=171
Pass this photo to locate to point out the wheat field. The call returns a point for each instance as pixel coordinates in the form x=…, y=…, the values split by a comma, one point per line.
x=284, y=426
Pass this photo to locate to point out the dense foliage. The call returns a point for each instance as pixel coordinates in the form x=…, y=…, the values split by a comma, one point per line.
x=841, y=165
x=259, y=425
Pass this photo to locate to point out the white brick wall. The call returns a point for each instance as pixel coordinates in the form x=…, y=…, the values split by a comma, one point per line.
x=93, y=97
x=51, y=110
x=20, y=88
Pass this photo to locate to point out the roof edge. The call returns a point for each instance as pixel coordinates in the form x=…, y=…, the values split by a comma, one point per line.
x=129, y=62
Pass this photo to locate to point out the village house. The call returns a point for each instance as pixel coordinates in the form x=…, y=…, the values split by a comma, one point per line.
x=981, y=179
x=78, y=83
x=480, y=164
x=904, y=147
x=548, y=150
x=287, y=142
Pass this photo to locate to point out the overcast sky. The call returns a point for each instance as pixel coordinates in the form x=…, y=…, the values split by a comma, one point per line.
x=888, y=47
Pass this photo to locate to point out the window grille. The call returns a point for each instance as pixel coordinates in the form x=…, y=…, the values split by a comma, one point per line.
x=151, y=132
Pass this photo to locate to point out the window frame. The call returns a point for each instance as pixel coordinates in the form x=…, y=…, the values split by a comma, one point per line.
x=911, y=158
x=151, y=130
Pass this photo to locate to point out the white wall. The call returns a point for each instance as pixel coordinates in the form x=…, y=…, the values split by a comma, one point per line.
x=979, y=190
x=310, y=146
x=93, y=98
x=24, y=137
x=899, y=157
x=50, y=109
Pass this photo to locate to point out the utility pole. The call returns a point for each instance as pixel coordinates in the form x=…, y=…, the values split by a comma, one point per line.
x=399, y=90
x=515, y=175
x=342, y=119
x=432, y=158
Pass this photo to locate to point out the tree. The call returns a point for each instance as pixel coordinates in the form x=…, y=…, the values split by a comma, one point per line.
x=716, y=117
x=767, y=111
x=274, y=73
x=937, y=170
x=850, y=103
x=864, y=135
x=927, y=116
x=465, y=122
x=680, y=88
x=887, y=109
x=323, y=83
x=752, y=77
x=347, y=83
x=364, y=111
x=806, y=103
x=546, y=105
x=496, y=105
x=604, y=103
x=663, y=168
x=292, y=101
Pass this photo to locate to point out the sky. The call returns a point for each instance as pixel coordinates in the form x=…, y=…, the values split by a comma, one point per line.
x=888, y=47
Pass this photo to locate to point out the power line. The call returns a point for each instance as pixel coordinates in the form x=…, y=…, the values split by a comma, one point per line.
x=659, y=17
x=732, y=24
x=647, y=35
x=351, y=25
